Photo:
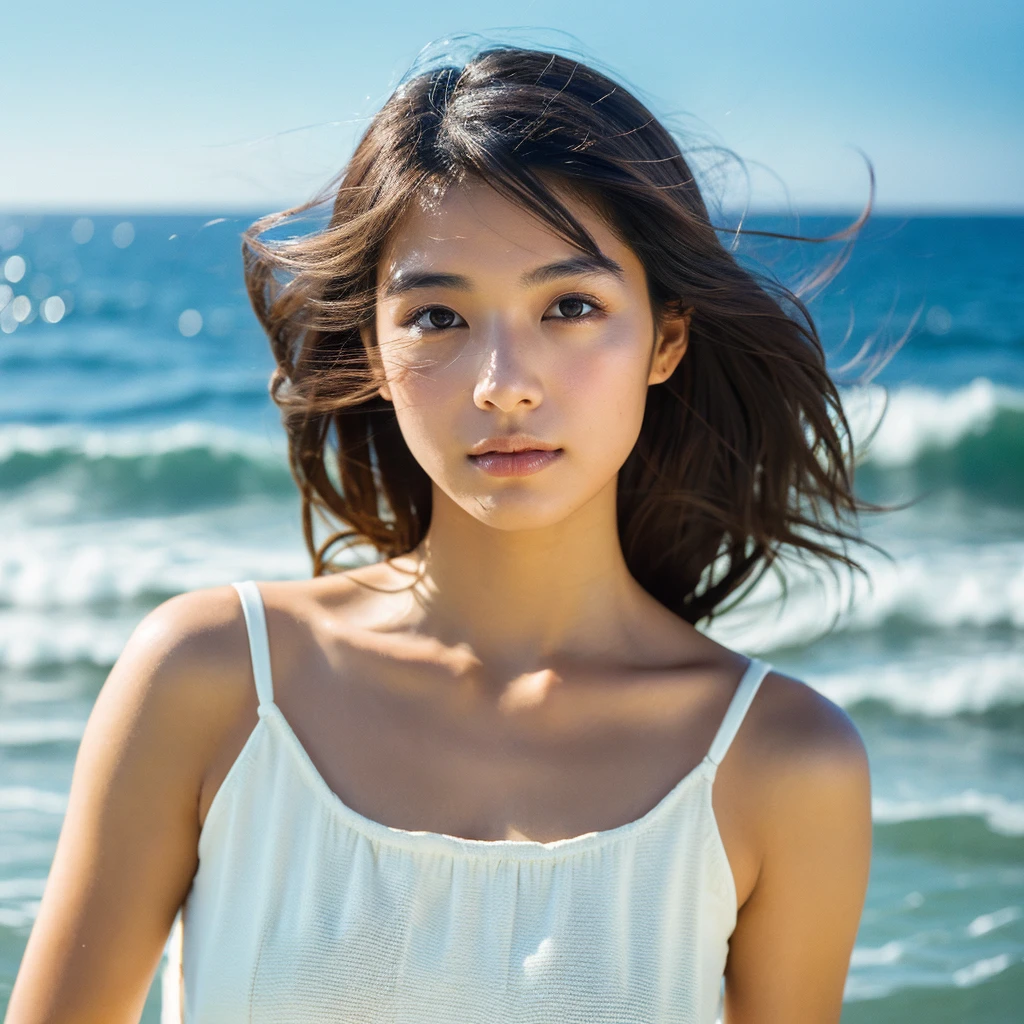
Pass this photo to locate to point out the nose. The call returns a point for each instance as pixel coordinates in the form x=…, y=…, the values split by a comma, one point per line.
x=506, y=380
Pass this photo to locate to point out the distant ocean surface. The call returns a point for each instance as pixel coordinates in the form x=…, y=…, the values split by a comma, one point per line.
x=140, y=456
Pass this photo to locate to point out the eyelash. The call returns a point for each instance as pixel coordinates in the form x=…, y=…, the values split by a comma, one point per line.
x=588, y=299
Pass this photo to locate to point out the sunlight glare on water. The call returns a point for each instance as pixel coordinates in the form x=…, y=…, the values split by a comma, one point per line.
x=190, y=323
x=82, y=230
x=123, y=234
x=52, y=309
x=14, y=268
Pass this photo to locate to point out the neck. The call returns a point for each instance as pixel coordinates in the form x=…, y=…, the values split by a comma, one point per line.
x=523, y=599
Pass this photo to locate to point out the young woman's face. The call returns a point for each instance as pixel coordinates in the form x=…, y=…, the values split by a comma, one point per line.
x=496, y=334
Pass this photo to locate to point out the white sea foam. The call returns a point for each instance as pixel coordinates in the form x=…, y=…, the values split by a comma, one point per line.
x=80, y=564
x=30, y=640
x=985, y=923
x=20, y=888
x=874, y=956
x=875, y=985
x=918, y=419
x=97, y=443
x=858, y=989
x=981, y=970
x=936, y=687
x=27, y=798
x=20, y=916
x=932, y=583
x=31, y=691
x=33, y=731
x=1000, y=814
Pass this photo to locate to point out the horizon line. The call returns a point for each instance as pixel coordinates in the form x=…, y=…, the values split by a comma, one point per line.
x=214, y=209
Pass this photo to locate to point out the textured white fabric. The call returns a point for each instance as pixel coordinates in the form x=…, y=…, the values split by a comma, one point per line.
x=303, y=910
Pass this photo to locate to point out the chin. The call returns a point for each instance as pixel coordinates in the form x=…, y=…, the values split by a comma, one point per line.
x=512, y=511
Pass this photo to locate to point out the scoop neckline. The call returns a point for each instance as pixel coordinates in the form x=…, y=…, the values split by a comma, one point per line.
x=442, y=842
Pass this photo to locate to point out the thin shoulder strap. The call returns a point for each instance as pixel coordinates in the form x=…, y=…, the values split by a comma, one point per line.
x=741, y=699
x=259, y=645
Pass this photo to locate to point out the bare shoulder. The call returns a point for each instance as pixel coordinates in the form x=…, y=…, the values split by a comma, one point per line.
x=802, y=766
x=191, y=622
x=797, y=732
x=184, y=679
x=803, y=757
x=192, y=647
x=127, y=850
x=809, y=804
x=185, y=675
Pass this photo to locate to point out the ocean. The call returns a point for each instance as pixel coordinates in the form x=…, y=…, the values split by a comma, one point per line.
x=140, y=456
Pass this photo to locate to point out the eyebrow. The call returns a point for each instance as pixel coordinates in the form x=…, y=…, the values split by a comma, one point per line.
x=406, y=279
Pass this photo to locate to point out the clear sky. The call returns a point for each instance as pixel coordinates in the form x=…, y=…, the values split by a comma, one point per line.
x=218, y=105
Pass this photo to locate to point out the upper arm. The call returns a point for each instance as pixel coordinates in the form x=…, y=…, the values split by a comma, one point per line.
x=790, y=951
x=127, y=848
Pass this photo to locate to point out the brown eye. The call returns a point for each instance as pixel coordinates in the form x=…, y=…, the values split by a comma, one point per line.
x=434, y=318
x=573, y=307
x=440, y=318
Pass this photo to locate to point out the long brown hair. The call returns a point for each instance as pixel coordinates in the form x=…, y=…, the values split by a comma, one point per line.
x=745, y=453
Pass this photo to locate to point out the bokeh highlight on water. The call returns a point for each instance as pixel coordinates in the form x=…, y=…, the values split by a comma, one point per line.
x=140, y=456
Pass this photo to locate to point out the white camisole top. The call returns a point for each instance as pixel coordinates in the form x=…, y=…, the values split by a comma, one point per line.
x=304, y=911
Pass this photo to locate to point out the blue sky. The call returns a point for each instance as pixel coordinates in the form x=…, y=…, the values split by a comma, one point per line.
x=217, y=106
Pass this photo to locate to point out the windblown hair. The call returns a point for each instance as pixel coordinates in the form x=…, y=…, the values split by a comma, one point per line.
x=745, y=452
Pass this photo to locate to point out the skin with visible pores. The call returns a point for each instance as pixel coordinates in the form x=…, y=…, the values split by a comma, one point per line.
x=507, y=680
x=568, y=360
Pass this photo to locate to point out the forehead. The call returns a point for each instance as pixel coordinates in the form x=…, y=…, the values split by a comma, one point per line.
x=469, y=224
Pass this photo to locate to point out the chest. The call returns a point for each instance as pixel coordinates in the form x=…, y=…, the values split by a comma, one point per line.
x=478, y=777
x=396, y=761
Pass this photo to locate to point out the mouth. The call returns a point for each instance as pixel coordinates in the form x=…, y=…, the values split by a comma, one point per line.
x=513, y=456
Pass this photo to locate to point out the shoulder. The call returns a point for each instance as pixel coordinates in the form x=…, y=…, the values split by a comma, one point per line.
x=187, y=638
x=159, y=697
x=807, y=761
x=197, y=642
x=804, y=779
x=127, y=850
x=181, y=676
x=796, y=730
x=805, y=766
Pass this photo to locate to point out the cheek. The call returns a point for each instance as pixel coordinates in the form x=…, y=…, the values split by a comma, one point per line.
x=604, y=394
x=426, y=405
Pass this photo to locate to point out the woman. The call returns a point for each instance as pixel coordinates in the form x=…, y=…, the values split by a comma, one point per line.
x=497, y=774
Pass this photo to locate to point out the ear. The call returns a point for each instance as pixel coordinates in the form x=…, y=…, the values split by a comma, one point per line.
x=366, y=332
x=670, y=343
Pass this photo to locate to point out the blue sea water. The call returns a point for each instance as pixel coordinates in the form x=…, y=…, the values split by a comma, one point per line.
x=140, y=456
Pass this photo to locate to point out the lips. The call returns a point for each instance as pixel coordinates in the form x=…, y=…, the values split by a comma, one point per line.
x=511, y=444
x=515, y=462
